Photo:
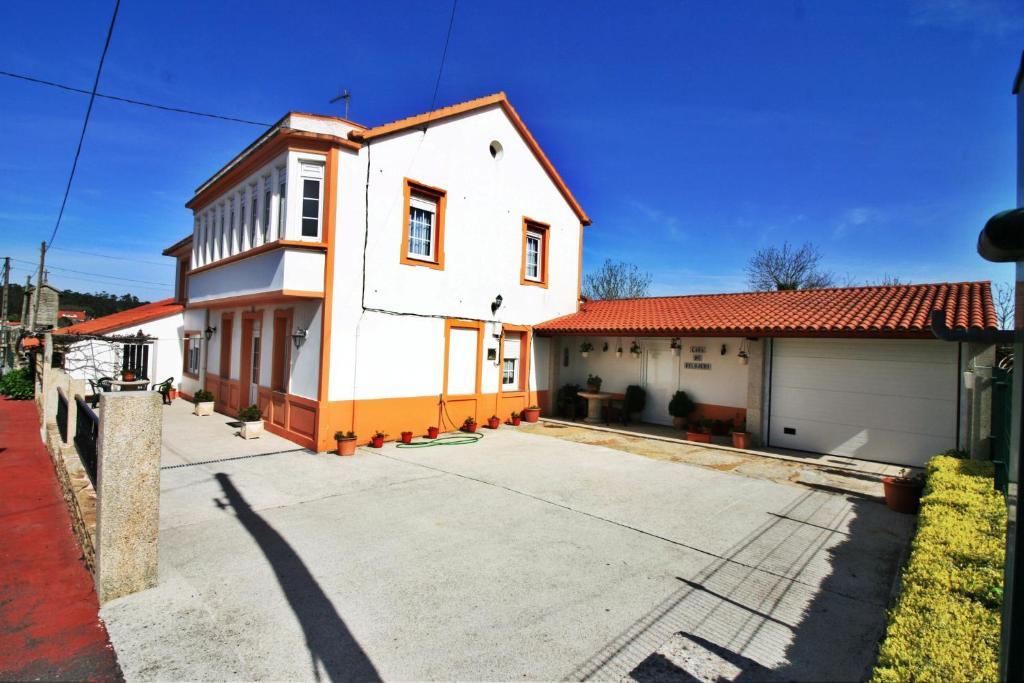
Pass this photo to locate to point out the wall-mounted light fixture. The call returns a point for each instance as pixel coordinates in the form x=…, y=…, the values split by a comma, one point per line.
x=496, y=304
x=743, y=355
x=299, y=336
x=209, y=332
x=725, y=349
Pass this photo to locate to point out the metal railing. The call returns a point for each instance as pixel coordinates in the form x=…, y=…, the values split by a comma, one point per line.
x=62, y=415
x=87, y=429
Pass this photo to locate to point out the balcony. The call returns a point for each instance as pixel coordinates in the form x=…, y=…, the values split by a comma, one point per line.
x=278, y=270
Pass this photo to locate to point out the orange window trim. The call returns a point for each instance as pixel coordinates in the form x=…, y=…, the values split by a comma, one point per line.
x=545, y=230
x=449, y=324
x=282, y=350
x=440, y=196
x=185, y=348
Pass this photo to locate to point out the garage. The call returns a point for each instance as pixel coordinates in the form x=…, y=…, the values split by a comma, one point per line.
x=889, y=400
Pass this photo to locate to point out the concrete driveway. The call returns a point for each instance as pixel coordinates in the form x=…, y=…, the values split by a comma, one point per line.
x=519, y=557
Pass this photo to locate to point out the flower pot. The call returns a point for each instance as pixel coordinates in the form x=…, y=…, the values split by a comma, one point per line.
x=595, y=388
x=347, y=446
x=902, y=495
x=515, y=421
x=432, y=432
x=679, y=422
x=406, y=437
x=741, y=440
x=584, y=353
x=377, y=441
x=204, y=408
x=675, y=351
x=493, y=422
x=698, y=437
x=172, y=394
x=531, y=414
x=469, y=428
x=252, y=430
x=128, y=376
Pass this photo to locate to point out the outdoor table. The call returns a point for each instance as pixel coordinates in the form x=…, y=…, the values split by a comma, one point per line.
x=594, y=401
x=133, y=385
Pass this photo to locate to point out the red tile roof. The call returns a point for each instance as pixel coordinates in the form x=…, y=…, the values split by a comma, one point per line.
x=125, y=319
x=896, y=311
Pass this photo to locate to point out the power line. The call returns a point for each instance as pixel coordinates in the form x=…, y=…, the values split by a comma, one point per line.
x=115, y=258
x=75, y=278
x=128, y=100
x=101, y=275
x=85, y=123
x=444, y=55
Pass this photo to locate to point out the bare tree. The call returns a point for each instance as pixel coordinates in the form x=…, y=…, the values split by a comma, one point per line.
x=773, y=268
x=1002, y=297
x=616, y=280
x=887, y=280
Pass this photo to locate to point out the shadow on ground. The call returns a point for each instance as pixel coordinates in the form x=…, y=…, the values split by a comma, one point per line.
x=332, y=648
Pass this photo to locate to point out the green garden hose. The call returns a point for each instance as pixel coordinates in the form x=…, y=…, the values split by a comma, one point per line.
x=450, y=440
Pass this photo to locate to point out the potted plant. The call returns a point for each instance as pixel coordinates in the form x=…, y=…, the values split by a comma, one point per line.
x=128, y=375
x=680, y=408
x=203, y=401
x=676, y=346
x=531, y=413
x=634, y=349
x=740, y=435
x=377, y=440
x=252, y=422
x=515, y=419
x=594, y=383
x=469, y=425
x=432, y=432
x=346, y=442
x=493, y=422
x=406, y=437
x=635, y=400
x=585, y=348
x=903, y=492
x=700, y=431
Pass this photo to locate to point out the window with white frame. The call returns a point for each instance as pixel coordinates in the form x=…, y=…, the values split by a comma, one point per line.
x=510, y=351
x=192, y=353
x=267, y=203
x=282, y=191
x=312, y=197
x=241, y=221
x=222, y=249
x=202, y=238
x=253, y=215
x=534, y=255
x=232, y=229
x=422, y=227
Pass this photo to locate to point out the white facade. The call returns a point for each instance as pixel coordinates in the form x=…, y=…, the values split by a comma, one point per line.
x=91, y=359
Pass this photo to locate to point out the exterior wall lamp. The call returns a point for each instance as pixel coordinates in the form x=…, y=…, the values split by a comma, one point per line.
x=209, y=332
x=299, y=336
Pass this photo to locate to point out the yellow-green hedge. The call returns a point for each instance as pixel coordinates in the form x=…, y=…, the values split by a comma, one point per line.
x=945, y=625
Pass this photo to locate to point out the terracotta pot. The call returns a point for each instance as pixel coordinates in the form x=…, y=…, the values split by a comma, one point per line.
x=377, y=441
x=432, y=432
x=406, y=437
x=679, y=422
x=698, y=437
x=740, y=440
x=531, y=414
x=515, y=421
x=128, y=376
x=172, y=394
x=493, y=422
x=902, y=495
x=469, y=428
x=347, y=446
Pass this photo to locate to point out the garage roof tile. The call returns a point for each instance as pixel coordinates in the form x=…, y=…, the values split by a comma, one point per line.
x=879, y=311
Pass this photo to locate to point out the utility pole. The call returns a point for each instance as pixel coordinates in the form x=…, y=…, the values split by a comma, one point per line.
x=38, y=294
x=345, y=95
x=3, y=309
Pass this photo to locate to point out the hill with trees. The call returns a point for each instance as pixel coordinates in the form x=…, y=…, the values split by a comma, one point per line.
x=94, y=304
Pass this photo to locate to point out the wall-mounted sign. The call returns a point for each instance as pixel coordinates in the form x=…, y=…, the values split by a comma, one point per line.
x=696, y=366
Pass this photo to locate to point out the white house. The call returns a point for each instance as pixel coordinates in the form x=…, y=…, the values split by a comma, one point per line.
x=380, y=278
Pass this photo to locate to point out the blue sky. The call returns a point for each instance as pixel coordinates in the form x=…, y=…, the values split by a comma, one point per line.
x=692, y=132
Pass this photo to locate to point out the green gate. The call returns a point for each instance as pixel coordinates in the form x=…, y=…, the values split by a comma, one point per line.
x=1002, y=407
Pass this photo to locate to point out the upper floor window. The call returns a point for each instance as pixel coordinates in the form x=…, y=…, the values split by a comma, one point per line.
x=233, y=238
x=282, y=188
x=423, y=226
x=312, y=198
x=267, y=193
x=241, y=221
x=222, y=247
x=253, y=201
x=534, y=269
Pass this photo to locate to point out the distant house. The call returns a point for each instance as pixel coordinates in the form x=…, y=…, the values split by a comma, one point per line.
x=75, y=316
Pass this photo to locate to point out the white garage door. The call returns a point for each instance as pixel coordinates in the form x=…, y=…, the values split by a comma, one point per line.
x=893, y=401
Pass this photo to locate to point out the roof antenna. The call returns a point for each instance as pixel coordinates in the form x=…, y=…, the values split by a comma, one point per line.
x=345, y=95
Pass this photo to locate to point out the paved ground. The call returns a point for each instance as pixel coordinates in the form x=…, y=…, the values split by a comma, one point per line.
x=49, y=623
x=519, y=557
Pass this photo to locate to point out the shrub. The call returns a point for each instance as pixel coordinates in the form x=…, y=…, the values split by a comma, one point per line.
x=250, y=414
x=636, y=399
x=945, y=626
x=202, y=396
x=18, y=384
x=681, y=405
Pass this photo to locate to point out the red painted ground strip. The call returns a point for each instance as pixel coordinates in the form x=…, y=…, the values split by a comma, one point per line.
x=49, y=616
